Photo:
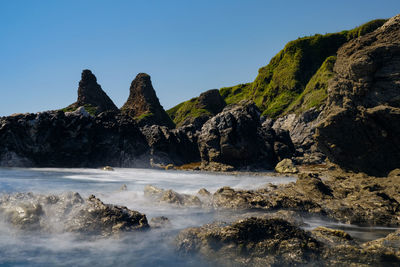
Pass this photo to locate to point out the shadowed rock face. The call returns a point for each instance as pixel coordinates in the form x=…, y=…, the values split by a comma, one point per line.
x=361, y=128
x=58, y=139
x=90, y=93
x=143, y=104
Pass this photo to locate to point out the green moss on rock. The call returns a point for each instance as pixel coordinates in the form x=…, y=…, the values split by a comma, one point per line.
x=281, y=83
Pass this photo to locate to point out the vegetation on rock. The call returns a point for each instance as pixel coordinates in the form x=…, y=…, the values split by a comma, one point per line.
x=293, y=81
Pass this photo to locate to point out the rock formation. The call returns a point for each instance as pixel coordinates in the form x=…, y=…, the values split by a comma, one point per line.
x=55, y=139
x=143, y=104
x=259, y=241
x=68, y=212
x=176, y=146
x=91, y=96
x=236, y=137
x=198, y=110
x=361, y=126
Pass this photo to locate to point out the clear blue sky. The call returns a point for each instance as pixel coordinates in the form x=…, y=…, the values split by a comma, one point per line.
x=186, y=46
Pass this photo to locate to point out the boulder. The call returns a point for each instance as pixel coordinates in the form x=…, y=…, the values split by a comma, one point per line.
x=143, y=104
x=170, y=197
x=286, y=166
x=251, y=242
x=233, y=137
x=360, y=128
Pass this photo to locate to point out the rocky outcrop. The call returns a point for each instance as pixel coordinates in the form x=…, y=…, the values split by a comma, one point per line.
x=355, y=199
x=301, y=128
x=97, y=218
x=257, y=241
x=210, y=101
x=68, y=212
x=91, y=95
x=55, y=139
x=361, y=126
x=143, y=103
x=176, y=146
x=251, y=242
x=234, y=137
x=170, y=197
x=197, y=110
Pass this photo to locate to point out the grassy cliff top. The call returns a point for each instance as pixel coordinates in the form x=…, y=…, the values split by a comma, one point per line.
x=294, y=80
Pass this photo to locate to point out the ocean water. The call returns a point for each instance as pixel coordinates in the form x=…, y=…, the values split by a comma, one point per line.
x=149, y=248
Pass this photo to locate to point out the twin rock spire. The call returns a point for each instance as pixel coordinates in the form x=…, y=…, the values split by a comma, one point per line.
x=142, y=103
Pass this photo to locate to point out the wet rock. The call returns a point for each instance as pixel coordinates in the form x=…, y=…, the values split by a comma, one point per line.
x=171, y=197
x=389, y=245
x=251, y=242
x=143, y=103
x=286, y=166
x=332, y=237
x=107, y=168
x=232, y=138
x=204, y=192
x=361, y=124
x=68, y=212
x=97, y=218
x=159, y=222
x=90, y=94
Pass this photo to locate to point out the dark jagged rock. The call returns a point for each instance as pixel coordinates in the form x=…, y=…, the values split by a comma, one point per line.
x=55, y=139
x=361, y=126
x=91, y=95
x=143, y=103
x=234, y=137
x=177, y=146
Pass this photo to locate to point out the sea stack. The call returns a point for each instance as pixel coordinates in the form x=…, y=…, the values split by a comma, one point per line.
x=143, y=104
x=91, y=96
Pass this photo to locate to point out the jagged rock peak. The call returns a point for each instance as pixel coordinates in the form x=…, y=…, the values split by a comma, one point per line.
x=91, y=93
x=91, y=96
x=143, y=103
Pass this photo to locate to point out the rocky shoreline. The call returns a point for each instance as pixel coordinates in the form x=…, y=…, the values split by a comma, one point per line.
x=346, y=154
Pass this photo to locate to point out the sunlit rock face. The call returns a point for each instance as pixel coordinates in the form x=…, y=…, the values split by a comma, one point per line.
x=361, y=129
x=68, y=212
